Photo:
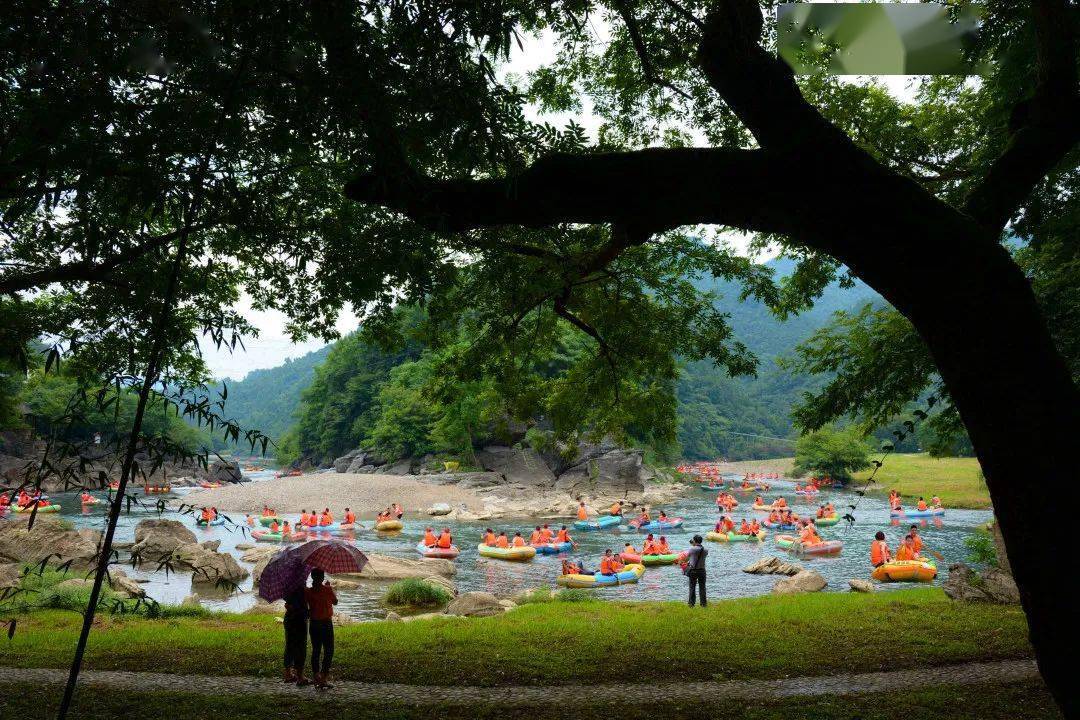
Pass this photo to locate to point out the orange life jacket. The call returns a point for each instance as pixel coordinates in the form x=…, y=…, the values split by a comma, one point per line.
x=534, y=539
x=615, y=509
x=546, y=535
x=904, y=552
x=605, y=566
x=489, y=539
x=519, y=541
x=562, y=536
x=274, y=526
x=326, y=519
x=662, y=548
x=916, y=543
x=445, y=540
x=350, y=517
x=502, y=542
x=429, y=538
x=582, y=513
x=922, y=504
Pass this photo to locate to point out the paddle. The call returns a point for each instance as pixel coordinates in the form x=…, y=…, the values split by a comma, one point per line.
x=938, y=556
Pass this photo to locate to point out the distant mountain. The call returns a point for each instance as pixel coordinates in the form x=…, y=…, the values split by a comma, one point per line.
x=712, y=406
x=267, y=399
x=718, y=414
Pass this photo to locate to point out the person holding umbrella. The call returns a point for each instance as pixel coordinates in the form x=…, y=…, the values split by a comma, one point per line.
x=285, y=576
x=321, y=601
x=296, y=630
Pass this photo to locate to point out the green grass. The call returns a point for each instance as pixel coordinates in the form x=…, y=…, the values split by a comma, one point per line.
x=413, y=592
x=957, y=481
x=565, y=643
x=1019, y=701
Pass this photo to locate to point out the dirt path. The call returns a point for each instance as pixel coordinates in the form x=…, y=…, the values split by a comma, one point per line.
x=846, y=684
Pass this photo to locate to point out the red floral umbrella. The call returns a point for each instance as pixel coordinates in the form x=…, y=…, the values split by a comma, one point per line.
x=330, y=556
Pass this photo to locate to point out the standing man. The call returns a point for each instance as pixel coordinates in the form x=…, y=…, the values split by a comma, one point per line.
x=695, y=569
x=296, y=629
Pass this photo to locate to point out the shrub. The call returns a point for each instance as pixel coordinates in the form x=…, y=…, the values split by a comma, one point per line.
x=534, y=596
x=416, y=593
x=574, y=595
x=981, y=550
x=835, y=453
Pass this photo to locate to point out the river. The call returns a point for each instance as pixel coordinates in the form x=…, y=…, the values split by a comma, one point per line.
x=724, y=563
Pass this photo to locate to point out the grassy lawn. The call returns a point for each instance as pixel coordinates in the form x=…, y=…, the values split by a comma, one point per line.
x=956, y=481
x=1023, y=701
x=565, y=643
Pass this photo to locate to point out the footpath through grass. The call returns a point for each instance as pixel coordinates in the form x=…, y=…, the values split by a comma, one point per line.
x=565, y=643
x=1017, y=701
x=957, y=481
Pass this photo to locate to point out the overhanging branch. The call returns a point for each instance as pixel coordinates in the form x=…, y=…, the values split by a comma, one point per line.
x=1044, y=128
x=650, y=190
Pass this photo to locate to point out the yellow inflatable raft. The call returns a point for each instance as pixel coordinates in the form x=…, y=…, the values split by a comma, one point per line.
x=905, y=571
x=388, y=525
x=734, y=536
x=519, y=554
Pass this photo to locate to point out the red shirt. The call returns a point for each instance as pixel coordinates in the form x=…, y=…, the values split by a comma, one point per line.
x=321, y=602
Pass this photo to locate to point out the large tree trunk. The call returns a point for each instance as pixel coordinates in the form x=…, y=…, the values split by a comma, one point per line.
x=977, y=314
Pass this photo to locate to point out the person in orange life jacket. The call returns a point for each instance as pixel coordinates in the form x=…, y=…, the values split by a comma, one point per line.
x=326, y=518
x=916, y=541
x=398, y=511
x=563, y=536
x=662, y=547
x=582, y=513
x=321, y=600
x=922, y=504
x=502, y=541
x=350, y=517
x=569, y=567
x=905, y=551
x=429, y=537
x=616, y=508
x=518, y=540
x=489, y=537
x=649, y=546
x=534, y=539
x=879, y=551
x=744, y=527
x=274, y=526
x=546, y=534
x=446, y=540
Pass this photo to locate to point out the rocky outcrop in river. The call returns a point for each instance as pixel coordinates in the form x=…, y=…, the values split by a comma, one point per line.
x=518, y=480
x=51, y=538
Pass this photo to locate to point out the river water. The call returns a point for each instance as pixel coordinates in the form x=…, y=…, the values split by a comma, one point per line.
x=697, y=508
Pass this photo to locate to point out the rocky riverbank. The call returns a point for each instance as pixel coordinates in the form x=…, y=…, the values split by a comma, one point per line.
x=515, y=482
x=22, y=462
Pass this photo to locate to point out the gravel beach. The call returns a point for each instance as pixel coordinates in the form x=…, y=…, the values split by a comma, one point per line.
x=365, y=494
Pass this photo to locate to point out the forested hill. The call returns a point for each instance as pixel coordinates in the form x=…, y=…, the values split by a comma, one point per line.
x=267, y=399
x=712, y=406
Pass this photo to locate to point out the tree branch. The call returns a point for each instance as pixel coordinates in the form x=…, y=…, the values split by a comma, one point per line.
x=647, y=69
x=759, y=87
x=1044, y=128
x=83, y=270
x=649, y=190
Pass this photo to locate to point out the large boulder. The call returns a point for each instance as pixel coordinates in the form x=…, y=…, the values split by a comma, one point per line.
x=225, y=471
x=522, y=466
x=800, y=582
x=208, y=566
x=400, y=467
x=615, y=474
x=121, y=583
x=771, y=566
x=560, y=457
x=992, y=586
x=158, y=538
x=49, y=538
x=440, y=508
x=342, y=463
x=475, y=604
x=860, y=586
x=9, y=576
x=386, y=567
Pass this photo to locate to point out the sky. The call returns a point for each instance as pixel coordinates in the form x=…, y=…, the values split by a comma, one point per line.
x=273, y=346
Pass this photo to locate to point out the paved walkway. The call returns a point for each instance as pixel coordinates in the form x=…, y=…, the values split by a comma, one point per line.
x=847, y=684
